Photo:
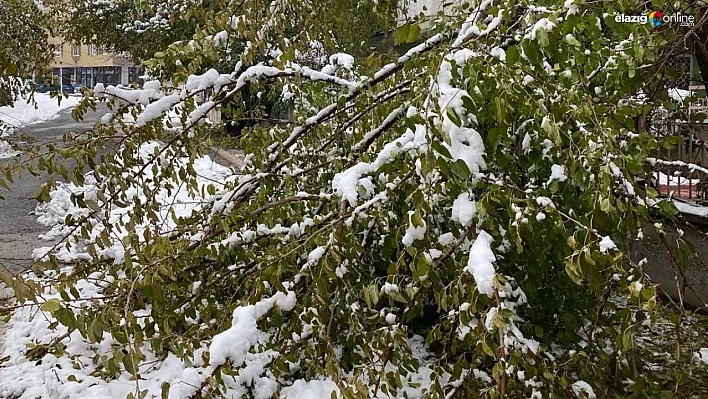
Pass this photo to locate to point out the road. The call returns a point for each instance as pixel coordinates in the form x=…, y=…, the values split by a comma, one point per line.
x=18, y=227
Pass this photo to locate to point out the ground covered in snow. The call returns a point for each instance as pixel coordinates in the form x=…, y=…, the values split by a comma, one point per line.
x=27, y=111
x=52, y=376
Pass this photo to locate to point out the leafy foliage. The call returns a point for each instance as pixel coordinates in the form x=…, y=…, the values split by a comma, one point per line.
x=454, y=221
x=23, y=45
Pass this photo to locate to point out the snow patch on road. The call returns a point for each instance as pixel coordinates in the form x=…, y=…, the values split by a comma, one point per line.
x=44, y=108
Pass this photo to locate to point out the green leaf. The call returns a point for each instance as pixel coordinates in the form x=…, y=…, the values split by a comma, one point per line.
x=668, y=209
x=460, y=169
x=51, y=305
x=413, y=34
x=512, y=55
x=542, y=37
x=441, y=149
x=572, y=269
x=400, y=35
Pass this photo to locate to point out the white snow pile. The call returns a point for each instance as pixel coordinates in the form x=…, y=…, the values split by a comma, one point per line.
x=71, y=376
x=481, y=263
x=702, y=356
x=695, y=210
x=63, y=377
x=6, y=150
x=464, y=209
x=679, y=94
x=24, y=113
x=585, y=388
x=182, y=203
x=606, y=244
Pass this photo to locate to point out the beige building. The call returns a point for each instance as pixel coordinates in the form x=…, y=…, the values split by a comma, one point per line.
x=88, y=64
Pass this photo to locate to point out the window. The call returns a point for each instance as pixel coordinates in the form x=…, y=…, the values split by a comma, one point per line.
x=76, y=50
x=57, y=51
x=92, y=50
x=680, y=67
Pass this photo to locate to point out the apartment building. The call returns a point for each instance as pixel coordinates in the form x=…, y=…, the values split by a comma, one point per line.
x=87, y=65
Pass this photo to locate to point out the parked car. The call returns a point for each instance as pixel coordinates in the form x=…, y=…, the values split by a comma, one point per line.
x=66, y=88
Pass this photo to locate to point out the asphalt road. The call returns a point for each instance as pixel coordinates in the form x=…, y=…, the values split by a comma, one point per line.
x=18, y=227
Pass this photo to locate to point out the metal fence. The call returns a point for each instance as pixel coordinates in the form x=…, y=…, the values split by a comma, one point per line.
x=680, y=180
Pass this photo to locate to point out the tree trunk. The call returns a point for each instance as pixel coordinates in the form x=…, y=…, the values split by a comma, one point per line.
x=700, y=48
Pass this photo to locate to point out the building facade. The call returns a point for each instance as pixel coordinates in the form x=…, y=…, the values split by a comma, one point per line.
x=87, y=65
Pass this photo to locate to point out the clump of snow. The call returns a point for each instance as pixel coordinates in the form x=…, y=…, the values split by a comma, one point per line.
x=558, y=173
x=313, y=389
x=481, y=263
x=545, y=201
x=606, y=244
x=702, y=355
x=413, y=232
x=6, y=150
x=584, y=387
x=342, y=59
x=571, y=6
x=464, y=209
x=234, y=343
x=666, y=180
x=679, y=94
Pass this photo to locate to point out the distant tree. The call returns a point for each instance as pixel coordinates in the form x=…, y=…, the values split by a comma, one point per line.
x=24, y=48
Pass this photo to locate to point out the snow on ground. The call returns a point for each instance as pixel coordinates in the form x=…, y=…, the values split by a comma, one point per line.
x=6, y=150
x=182, y=202
x=23, y=114
x=24, y=378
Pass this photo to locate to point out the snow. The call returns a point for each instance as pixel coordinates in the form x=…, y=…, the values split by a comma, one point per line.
x=313, y=389
x=157, y=109
x=679, y=94
x=702, y=355
x=481, y=263
x=541, y=24
x=314, y=257
x=446, y=239
x=342, y=59
x=695, y=210
x=571, y=6
x=545, y=201
x=184, y=201
x=464, y=209
x=606, y=244
x=666, y=180
x=465, y=142
x=413, y=232
x=234, y=343
x=584, y=387
x=345, y=183
x=23, y=113
x=6, y=150
x=558, y=173
x=26, y=379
